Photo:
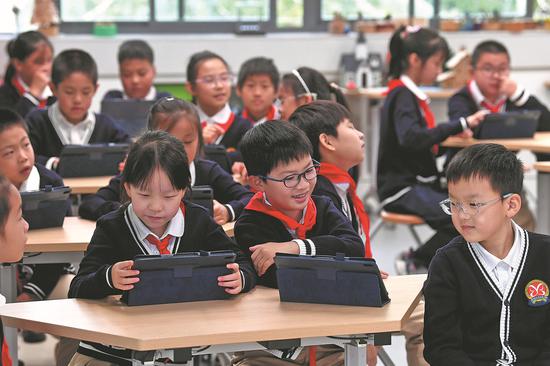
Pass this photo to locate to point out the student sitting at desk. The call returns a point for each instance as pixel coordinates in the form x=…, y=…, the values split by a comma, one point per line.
x=283, y=217
x=70, y=120
x=156, y=221
x=27, y=77
x=257, y=86
x=13, y=236
x=180, y=119
x=37, y=282
x=407, y=177
x=209, y=81
x=137, y=72
x=487, y=298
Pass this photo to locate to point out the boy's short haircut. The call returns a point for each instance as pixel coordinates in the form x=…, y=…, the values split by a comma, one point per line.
x=71, y=61
x=321, y=116
x=135, y=49
x=490, y=161
x=489, y=46
x=4, y=201
x=267, y=145
x=9, y=118
x=258, y=66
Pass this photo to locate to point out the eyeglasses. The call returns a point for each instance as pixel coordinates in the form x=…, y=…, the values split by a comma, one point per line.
x=471, y=209
x=212, y=80
x=293, y=180
x=490, y=71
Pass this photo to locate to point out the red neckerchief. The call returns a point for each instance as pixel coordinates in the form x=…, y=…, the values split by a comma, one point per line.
x=6, y=359
x=257, y=203
x=225, y=126
x=270, y=115
x=21, y=90
x=162, y=244
x=424, y=106
x=337, y=175
x=493, y=108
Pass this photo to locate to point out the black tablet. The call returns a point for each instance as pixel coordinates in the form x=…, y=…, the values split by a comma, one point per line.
x=46, y=207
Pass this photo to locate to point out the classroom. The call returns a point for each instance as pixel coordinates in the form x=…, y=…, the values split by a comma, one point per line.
x=274, y=182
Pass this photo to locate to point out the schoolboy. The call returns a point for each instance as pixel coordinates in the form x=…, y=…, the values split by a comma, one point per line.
x=339, y=147
x=257, y=86
x=70, y=120
x=18, y=166
x=487, y=290
x=283, y=217
x=137, y=72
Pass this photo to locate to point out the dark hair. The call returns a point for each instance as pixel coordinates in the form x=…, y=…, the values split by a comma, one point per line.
x=322, y=116
x=267, y=145
x=135, y=49
x=175, y=109
x=10, y=118
x=258, y=66
x=406, y=40
x=4, y=202
x=22, y=47
x=490, y=161
x=195, y=61
x=71, y=61
x=153, y=150
x=489, y=46
x=316, y=83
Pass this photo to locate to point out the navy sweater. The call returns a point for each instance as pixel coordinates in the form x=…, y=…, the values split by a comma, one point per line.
x=331, y=234
x=10, y=98
x=118, y=94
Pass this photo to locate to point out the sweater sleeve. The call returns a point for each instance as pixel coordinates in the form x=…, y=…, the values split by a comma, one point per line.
x=93, y=278
x=411, y=132
x=442, y=329
x=459, y=106
x=105, y=200
x=227, y=191
x=36, y=135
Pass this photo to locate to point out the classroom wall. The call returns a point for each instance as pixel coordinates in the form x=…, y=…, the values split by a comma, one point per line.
x=529, y=49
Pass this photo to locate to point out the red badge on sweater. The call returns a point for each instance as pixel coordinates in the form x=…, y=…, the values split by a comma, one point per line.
x=537, y=293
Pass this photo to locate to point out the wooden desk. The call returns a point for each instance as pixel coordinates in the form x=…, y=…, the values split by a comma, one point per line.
x=86, y=185
x=252, y=317
x=543, y=204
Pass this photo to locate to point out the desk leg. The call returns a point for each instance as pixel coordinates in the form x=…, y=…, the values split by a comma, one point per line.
x=355, y=353
x=543, y=207
x=8, y=288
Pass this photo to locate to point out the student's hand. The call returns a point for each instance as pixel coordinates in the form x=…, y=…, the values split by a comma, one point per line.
x=123, y=276
x=233, y=282
x=211, y=132
x=221, y=215
x=372, y=355
x=466, y=134
x=263, y=255
x=23, y=297
x=508, y=86
x=384, y=274
x=39, y=82
x=475, y=119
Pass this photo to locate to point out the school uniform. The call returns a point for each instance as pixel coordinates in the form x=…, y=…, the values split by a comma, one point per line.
x=407, y=176
x=49, y=131
x=272, y=114
x=470, y=99
x=323, y=230
x=203, y=172
x=39, y=280
x=481, y=310
x=153, y=94
x=15, y=95
x=121, y=235
x=234, y=128
x=339, y=186
x=5, y=359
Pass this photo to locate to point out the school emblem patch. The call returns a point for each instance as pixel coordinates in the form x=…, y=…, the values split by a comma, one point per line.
x=537, y=293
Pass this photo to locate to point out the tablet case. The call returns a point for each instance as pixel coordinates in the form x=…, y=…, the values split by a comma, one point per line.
x=131, y=115
x=46, y=207
x=181, y=277
x=509, y=125
x=202, y=196
x=92, y=160
x=335, y=280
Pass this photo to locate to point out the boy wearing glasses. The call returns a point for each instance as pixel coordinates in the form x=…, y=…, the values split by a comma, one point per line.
x=283, y=217
x=487, y=298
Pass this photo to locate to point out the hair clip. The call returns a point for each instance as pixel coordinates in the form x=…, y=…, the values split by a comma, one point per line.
x=304, y=85
x=410, y=29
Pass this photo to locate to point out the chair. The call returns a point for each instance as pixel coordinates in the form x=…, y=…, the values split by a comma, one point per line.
x=396, y=218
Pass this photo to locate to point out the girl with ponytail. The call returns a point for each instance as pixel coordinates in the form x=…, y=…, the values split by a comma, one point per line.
x=28, y=74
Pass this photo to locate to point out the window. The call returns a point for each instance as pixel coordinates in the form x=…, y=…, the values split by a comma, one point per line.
x=290, y=13
x=451, y=9
x=105, y=10
x=369, y=9
x=226, y=10
x=9, y=23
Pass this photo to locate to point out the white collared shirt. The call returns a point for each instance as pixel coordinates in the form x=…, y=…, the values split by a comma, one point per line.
x=501, y=269
x=221, y=117
x=414, y=88
x=520, y=97
x=193, y=172
x=46, y=93
x=152, y=95
x=33, y=181
x=175, y=228
x=69, y=133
